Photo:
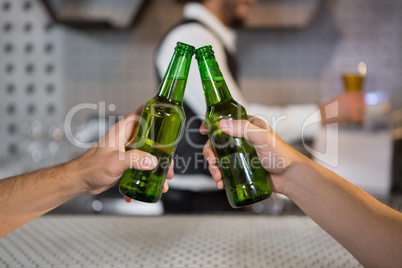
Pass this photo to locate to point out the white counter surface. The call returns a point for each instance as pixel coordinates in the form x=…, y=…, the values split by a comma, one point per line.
x=172, y=241
x=360, y=156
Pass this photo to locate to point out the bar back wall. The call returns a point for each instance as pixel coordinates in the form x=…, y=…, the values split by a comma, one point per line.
x=47, y=69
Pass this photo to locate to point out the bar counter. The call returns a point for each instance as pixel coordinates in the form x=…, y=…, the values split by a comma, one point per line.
x=172, y=241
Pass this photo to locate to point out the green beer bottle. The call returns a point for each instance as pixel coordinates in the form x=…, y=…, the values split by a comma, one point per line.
x=159, y=129
x=246, y=180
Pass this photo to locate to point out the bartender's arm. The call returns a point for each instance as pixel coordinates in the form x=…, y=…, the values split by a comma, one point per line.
x=368, y=229
x=25, y=197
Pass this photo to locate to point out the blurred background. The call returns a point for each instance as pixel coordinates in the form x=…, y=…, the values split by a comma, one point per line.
x=57, y=54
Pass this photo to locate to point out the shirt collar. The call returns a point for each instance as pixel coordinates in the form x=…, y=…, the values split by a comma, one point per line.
x=201, y=13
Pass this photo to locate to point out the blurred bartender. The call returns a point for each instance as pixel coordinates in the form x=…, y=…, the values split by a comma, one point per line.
x=211, y=22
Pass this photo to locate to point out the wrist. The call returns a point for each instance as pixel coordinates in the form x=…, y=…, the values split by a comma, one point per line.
x=306, y=179
x=295, y=177
x=79, y=172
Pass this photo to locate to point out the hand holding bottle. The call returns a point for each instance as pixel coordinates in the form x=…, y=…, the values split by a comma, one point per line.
x=368, y=229
x=106, y=161
x=27, y=196
x=276, y=156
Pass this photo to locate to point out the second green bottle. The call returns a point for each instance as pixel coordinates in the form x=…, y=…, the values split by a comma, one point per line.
x=246, y=180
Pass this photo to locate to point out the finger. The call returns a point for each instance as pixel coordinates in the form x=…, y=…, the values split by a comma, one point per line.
x=247, y=130
x=170, y=173
x=216, y=175
x=203, y=129
x=165, y=187
x=122, y=131
x=211, y=158
x=129, y=125
x=259, y=122
x=208, y=152
x=138, y=160
x=220, y=184
x=169, y=176
x=213, y=164
x=215, y=172
x=128, y=199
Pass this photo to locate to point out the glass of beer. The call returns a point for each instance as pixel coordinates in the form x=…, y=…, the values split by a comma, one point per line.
x=353, y=81
x=353, y=78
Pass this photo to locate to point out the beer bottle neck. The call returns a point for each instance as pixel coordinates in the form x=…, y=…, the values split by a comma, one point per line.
x=214, y=85
x=175, y=79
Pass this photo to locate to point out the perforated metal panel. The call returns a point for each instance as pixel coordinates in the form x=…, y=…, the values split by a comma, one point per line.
x=172, y=241
x=30, y=82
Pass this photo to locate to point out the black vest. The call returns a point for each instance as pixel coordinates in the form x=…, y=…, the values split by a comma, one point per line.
x=193, y=157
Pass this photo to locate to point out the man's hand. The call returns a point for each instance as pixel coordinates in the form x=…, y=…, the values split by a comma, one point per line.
x=351, y=108
x=275, y=155
x=107, y=160
x=25, y=197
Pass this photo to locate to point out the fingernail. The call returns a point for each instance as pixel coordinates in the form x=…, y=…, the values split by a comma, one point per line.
x=127, y=199
x=220, y=185
x=224, y=123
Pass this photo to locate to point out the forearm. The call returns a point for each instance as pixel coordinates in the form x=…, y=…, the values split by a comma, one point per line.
x=25, y=197
x=371, y=231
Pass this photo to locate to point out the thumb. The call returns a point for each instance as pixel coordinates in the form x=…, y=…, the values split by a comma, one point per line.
x=245, y=129
x=137, y=159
